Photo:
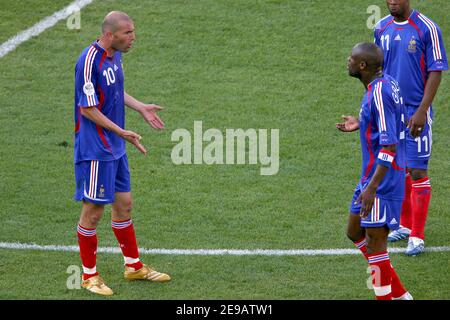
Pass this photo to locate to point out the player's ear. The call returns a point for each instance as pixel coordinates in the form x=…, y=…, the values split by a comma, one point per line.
x=363, y=65
x=109, y=35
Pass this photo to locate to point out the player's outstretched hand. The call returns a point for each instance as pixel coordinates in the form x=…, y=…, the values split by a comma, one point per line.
x=350, y=124
x=134, y=139
x=148, y=111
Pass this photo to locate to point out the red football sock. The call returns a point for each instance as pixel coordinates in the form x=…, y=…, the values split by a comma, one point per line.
x=124, y=231
x=406, y=214
x=397, y=287
x=420, y=195
x=361, y=244
x=87, y=240
x=381, y=275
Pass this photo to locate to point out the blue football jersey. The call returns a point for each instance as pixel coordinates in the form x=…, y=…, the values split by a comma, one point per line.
x=382, y=122
x=412, y=49
x=99, y=83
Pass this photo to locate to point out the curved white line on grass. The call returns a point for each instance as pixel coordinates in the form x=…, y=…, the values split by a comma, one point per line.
x=208, y=252
x=41, y=26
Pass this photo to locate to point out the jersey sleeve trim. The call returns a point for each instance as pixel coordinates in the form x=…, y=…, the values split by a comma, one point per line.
x=437, y=52
x=88, y=87
x=378, y=98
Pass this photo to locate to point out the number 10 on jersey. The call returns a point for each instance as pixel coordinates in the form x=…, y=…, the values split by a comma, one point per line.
x=109, y=75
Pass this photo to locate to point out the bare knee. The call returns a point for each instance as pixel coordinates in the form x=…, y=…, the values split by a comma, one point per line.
x=125, y=207
x=377, y=240
x=91, y=214
x=121, y=210
x=417, y=174
x=91, y=221
x=354, y=236
x=354, y=230
x=128, y=206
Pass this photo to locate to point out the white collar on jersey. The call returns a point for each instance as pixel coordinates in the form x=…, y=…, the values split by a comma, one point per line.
x=406, y=21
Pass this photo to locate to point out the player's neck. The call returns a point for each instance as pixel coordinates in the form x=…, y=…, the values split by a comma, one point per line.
x=403, y=17
x=109, y=50
x=366, y=80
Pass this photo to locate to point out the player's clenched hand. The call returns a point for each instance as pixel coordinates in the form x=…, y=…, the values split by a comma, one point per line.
x=350, y=124
x=417, y=123
x=366, y=199
x=134, y=139
x=148, y=111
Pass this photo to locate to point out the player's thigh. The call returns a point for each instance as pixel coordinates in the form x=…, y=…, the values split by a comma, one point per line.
x=384, y=216
x=122, y=182
x=95, y=182
x=354, y=230
x=122, y=206
x=418, y=150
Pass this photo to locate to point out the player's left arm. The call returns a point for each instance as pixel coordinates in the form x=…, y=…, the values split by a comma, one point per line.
x=436, y=62
x=419, y=119
x=384, y=161
x=147, y=111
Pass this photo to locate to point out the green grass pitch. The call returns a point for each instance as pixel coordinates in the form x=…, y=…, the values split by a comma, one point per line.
x=231, y=64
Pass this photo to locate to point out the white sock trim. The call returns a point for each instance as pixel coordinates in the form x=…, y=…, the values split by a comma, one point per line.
x=89, y=270
x=130, y=260
x=405, y=296
x=382, y=291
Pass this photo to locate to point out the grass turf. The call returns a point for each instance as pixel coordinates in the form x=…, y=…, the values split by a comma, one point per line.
x=230, y=64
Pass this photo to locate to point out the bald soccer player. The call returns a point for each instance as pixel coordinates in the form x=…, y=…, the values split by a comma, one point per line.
x=101, y=165
x=377, y=200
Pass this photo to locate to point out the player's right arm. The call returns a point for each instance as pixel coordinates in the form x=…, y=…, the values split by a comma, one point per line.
x=86, y=90
x=350, y=124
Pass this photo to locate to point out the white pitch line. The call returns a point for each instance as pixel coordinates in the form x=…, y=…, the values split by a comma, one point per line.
x=213, y=252
x=41, y=26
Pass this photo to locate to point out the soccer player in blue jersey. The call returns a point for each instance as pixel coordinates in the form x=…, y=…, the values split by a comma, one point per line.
x=101, y=164
x=376, y=204
x=414, y=55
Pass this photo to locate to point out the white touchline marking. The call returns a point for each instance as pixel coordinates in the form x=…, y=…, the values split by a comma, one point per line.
x=213, y=252
x=41, y=26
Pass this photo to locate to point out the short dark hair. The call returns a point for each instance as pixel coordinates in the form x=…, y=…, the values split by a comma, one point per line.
x=112, y=20
x=371, y=54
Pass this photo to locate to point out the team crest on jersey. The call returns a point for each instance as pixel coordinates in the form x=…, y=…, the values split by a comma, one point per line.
x=88, y=88
x=412, y=46
x=115, y=67
x=101, y=192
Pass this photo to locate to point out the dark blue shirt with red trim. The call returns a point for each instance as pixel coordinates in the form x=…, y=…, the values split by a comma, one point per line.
x=99, y=83
x=381, y=123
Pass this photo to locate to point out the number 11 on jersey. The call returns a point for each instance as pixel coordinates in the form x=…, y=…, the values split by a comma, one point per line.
x=385, y=42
